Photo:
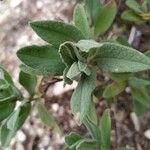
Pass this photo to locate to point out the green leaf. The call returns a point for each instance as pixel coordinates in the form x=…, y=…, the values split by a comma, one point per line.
x=66, y=79
x=72, y=140
x=11, y=93
x=105, y=130
x=45, y=116
x=138, y=108
x=12, y=120
x=129, y=15
x=86, y=45
x=81, y=98
x=140, y=95
x=93, y=129
x=114, y=89
x=117, y=58
x=74, y=72
x=5, y=133
x=134, y=6
x=147, y=53
x=67, y=53
x=120, y=76
x=5, y=75
x=80, y=20
x=30, y=70
x=83, y=67
x=138, y=83
x=45, y=59
x=55, y=32
x=6, y=108
x=93, y=8
x=87, y=144
x=105, y=18
x=28, y=82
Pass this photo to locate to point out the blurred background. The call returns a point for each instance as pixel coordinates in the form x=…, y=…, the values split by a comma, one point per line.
x=15, y=33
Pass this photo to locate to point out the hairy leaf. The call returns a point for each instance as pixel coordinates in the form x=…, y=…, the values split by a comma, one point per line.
x=93, y=8
x=114, y=89
x=80, y=21
x=129, y=15
x=45, y=116
x=118, y=58
x=134, y=6
x=105, y=130
x=45, y=59
x=55, y=32
x=81, y=98
x=28, y=82
x=105, y=18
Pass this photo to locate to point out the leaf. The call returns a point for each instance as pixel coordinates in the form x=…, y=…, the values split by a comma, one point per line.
x=5, y=75
x=28, y=82
x=80, y=21
x=87, y=144
x=67, y=53
x=93, y=8
x=81, y=98
x=11, y=93
x=86, y=45
x=12, y=120
x=141, y=96
x=120, y=76
x=73, y=72
x=117, y=58
x=66, y=79
x=72, y=140
x=45, y=116
x=83, y=67
x=5, y=133
x=45, y=59
x=134, y=6
x=6, y=108
x=138, y=83
x=138, y=108
x=93, y=129
x=55, y=32
x=114, y=89
x=147, y=53
x=129, y=15
x=105, y=18
x=105, y=130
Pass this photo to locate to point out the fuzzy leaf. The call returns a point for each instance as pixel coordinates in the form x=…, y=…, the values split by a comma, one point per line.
x=28, y=82
x=6, y=108
x=55, y=32
x=81, y=98
x=83, y=67
x=118, y=58
x=86, y=45
x=45, y=59
x=105, y=130
x=80, y=20
x=73, y=72
x=114, y=89
x=72, y=140
x=105, y=18
x=5, y=133
x=45, y=116
x=132, y=4
x=93, y=8
x=129, y=15
x=67, y=53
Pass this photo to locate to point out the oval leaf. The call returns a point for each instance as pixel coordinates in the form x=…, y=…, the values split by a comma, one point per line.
x=45, y=59
x=55, y=32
